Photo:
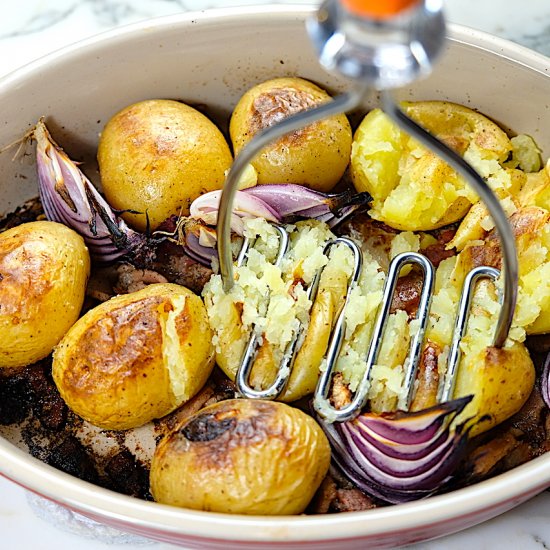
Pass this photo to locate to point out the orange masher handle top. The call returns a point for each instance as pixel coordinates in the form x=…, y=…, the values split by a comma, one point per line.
x=378, y=9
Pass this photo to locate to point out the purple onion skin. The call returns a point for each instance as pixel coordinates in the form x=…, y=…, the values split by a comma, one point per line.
x=284, y=203
x=202, y=254
x=280, y=203
x=400, y=457
x=289, y=200
x=545, y=381
x=68, y=197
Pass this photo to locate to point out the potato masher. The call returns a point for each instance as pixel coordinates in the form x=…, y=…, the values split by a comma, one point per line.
x=379, y=45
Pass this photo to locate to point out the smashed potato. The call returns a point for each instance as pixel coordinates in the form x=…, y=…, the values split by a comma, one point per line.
x=412, y=188
x=276, y=320
x=243, y=457
x=44, y=268
x=136, y=357
x=500, y=380
x=315, y=156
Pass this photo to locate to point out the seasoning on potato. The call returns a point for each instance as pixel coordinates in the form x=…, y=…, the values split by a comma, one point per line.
x=136, y=357
x=44, y=268
x=315, y=156
x=156, y=156
x=243, y=457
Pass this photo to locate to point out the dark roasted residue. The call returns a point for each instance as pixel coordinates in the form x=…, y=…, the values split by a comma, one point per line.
x=15, y=400
x=30, y=211
x=72, y=458
x=128, y=475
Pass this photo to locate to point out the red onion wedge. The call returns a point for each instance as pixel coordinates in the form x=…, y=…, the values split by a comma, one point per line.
x=399, y=457
x=545, y=381
x=68, y=197
x=285, y=202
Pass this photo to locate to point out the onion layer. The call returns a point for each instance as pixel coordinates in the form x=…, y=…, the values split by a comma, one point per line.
x=68, y=197
x=399, y=457
x=280, y=203
x=545, y=381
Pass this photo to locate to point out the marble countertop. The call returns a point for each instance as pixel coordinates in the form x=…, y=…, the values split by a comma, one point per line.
x=33, y=28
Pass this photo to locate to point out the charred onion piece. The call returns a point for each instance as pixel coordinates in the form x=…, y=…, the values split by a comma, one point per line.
x=399, y=457
x=290, y=200
x=68, y=197
x=280, y=203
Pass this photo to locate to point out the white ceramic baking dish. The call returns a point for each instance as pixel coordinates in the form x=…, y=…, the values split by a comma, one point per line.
x=211, y=58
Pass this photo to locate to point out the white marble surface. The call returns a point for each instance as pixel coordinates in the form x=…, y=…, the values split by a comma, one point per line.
x=32, y=28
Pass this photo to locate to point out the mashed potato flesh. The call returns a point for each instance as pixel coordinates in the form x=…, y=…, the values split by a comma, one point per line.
x=413, y=189
x=274, y=304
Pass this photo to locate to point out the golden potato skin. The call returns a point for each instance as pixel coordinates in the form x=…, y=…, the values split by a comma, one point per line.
x=315, y=156
x=157, y=156
x=500, y=380
x=531, y=229
x=44, y=268
x=135, y=357
x=242, y=457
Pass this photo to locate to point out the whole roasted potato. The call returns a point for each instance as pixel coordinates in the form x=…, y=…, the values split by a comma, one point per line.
x=44, y=268
x=135, y=357
x=155, y=157
x=242, y=457
x=315, y=156
x=413, y=189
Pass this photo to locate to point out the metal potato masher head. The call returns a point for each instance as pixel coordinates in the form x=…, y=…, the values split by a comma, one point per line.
x=379, y=45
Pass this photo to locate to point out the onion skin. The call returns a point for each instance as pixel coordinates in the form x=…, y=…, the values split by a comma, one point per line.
x=280, y=203
x=545, y=381
x=68, y=197
x=400, y=457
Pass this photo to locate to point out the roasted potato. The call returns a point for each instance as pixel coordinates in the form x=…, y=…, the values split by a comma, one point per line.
x=412, y=188
x=536, y=190
x=242, y=457
x=500, y=380
x=531, y=228
x=315, y=156
x=135, y=357
x=155, y=157
x=305, y=370
x=44, y=268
